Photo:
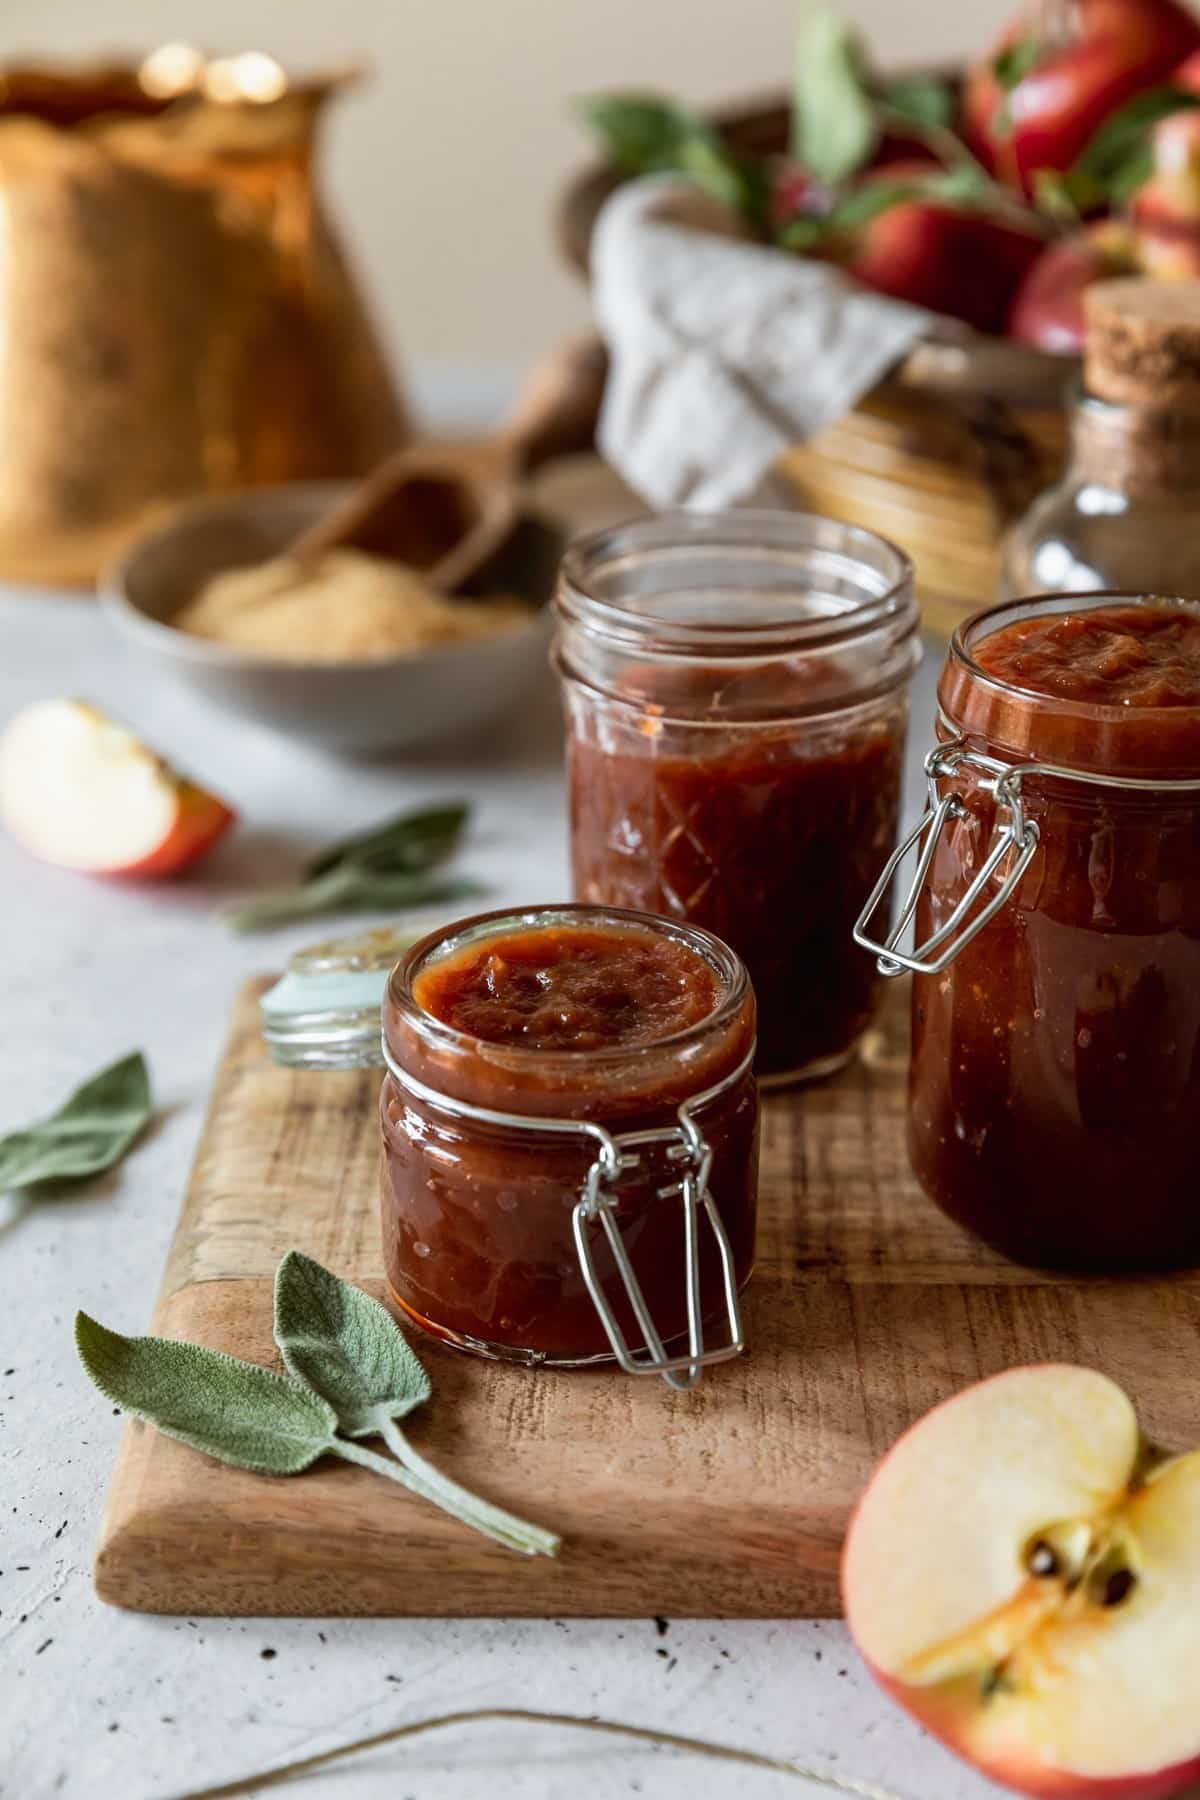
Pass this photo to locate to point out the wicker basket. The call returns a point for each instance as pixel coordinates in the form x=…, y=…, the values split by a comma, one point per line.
x=942, y=457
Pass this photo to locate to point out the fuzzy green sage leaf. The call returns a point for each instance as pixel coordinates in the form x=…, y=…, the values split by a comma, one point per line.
x=233, y=1410
x=384, y=869
x=413, y=840
x=349, y=1365
x=349, y=1349
x=90, y=1132
x=345, y=1346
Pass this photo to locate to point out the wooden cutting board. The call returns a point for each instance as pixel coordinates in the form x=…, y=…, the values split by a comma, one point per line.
x=867, y=1307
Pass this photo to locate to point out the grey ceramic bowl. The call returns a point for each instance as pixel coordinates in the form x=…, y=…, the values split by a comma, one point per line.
x=395, y=703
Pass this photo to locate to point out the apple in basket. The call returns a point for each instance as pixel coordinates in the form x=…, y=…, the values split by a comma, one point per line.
x=77, y=788
x=1060, y=69
x=1047, y=310
x=1023, y=1576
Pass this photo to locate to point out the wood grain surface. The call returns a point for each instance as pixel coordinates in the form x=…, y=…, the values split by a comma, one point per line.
x=866, y=1308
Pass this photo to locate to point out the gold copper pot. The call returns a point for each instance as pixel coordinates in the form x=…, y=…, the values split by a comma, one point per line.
x=175, y=313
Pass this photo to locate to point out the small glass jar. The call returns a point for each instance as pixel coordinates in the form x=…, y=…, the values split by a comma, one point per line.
x=572, y=1206
x=1122, y=516
x=735, y=688
x=1055, y=1083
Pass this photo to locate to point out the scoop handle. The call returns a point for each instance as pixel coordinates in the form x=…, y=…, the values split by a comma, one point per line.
x=559, y=407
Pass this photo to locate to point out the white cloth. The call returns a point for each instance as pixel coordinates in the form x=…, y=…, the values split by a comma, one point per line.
x=723, y=351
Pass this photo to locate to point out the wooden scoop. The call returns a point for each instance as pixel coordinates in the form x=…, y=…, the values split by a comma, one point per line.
x=447, y=509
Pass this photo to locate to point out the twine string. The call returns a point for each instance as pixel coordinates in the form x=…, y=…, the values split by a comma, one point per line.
x=753, y=1759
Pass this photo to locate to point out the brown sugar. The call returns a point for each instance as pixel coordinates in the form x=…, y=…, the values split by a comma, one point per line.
x=345, y=607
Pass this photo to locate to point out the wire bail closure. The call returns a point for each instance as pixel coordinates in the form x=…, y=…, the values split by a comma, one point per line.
x=617, y=1155
x=1016, y=836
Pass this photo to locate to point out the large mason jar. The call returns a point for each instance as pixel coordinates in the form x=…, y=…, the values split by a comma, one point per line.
x=736, y=708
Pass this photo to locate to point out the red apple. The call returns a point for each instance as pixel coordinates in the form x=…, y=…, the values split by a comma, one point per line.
x=954, y=260
x=79, y=789
x=1025, y=1579
x=1048, y=309
x=1088, y=58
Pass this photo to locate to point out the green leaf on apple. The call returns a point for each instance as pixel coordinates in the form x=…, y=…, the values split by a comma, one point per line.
x=1011, y=65
x=964, y=186
x=835, y=126
x=923, y=100
x=650, y=134
x=1120, y=156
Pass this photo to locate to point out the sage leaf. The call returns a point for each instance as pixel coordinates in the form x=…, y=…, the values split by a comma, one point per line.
x=233, y=1410
x=381, y=870
x=834, y=124
x=351, y=1352
x=413, y=840
x=345, y=1346
x=347, y=889
x=90, y=1132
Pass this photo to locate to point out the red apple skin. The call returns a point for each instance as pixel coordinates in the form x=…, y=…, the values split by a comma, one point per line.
x=1119, y=48
x=199, y=822
x=945, y=1710
x=952, y=260
x=1048, y=309
x=944, y=1719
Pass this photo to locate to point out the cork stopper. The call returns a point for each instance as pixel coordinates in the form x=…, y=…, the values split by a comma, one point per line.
x=1143, y=342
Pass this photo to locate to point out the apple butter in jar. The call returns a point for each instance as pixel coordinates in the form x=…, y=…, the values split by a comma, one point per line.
x=570, y=1139
x=1055, y=1088
x=735, y=689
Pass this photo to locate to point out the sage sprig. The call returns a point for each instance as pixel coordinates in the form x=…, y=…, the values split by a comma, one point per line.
x=381, y=870
x=346, y=1347
x=351, y=1375
x=91, y=1131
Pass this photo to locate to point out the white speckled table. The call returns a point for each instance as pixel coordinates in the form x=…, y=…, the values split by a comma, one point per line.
x=115, y=1706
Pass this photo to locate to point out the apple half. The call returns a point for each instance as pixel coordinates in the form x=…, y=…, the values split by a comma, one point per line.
x=1023, y=1575
x=77, y=788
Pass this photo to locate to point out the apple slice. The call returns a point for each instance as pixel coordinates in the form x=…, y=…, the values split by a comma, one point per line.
x=1025, y=1578
x=79, y=789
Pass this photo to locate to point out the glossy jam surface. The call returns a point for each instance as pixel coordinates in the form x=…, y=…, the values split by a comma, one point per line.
x=614, y=1024
x=570, y=988
x=1125, y=655
x=1055, y=1087
x=770, y=835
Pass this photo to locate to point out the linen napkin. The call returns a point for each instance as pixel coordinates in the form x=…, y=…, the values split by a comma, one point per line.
x=723, y=351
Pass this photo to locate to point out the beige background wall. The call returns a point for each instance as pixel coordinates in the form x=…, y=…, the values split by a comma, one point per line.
x=446, y=166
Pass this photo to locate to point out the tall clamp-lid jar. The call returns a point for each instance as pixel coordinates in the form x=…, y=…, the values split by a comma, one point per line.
x=1055, y=1086
x=736, y=707
x=570, y=1140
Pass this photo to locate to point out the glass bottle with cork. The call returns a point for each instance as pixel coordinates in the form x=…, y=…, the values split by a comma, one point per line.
x=1123, y=516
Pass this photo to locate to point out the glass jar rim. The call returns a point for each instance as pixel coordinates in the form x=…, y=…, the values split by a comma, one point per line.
x=756, y=534
x=735, y=984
